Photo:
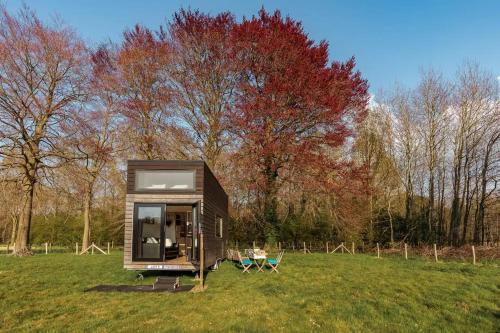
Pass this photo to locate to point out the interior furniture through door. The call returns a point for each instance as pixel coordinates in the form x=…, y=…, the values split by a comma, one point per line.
x=148, y=238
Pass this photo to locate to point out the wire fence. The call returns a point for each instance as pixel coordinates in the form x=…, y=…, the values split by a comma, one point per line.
x=466, y=253
x=48, y=247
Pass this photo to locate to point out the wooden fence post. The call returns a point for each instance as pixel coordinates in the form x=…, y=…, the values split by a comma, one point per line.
x=406, y=252
x=342, y=247
x=352, y=248
x=378, y=251
x=304, y=247
x=92, y=247
x=112, y=244
x=253, y=244
x=435, y=253
x=473, y=255
x=326, y=247
x=108, y=247
x=293, y=246
x=310, y=247
x=202, y=262
x=279, y=246
x=46, y=248
x=76, y=248
x=50, y=246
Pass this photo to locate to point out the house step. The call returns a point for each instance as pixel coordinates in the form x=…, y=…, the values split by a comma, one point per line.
x=167, y=279
x=166, y=282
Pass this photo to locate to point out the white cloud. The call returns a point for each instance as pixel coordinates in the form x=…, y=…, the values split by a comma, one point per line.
x=372, y=102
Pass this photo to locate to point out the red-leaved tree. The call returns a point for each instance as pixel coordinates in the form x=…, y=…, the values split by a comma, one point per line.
x=292, y=107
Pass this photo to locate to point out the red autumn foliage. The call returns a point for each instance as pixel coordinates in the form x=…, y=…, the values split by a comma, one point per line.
x=141, y=60
x=135, y=72
x=292, y=108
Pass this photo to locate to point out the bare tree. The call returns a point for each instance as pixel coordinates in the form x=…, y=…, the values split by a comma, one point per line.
x=474, y=117
x=431, y=102
x=41, y=78
x=376, y=146
x=92, y=145
x=204, y=79
x=406, y=145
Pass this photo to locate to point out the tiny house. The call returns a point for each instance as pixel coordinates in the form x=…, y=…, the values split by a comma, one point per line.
x=169, y=205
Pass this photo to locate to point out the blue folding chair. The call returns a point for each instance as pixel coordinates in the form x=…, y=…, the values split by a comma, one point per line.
x=245, y=262
x=274, y=262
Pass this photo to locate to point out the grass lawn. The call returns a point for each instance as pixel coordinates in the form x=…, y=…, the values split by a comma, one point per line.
x=315, y=292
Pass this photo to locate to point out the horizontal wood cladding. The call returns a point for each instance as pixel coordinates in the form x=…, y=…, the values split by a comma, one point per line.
x=208, y=191
x=215, y=203
x=134, y=165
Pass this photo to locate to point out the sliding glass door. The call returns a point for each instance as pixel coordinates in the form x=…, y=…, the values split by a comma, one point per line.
x=148, y=243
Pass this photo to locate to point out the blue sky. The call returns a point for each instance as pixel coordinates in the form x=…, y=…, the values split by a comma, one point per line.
x=391, y=40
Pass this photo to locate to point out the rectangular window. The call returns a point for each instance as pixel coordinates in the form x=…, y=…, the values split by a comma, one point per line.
x=218, y=226
x=164, y=180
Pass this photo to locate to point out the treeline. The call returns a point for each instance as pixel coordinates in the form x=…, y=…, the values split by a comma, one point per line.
x=433, y=154
x=291, y=137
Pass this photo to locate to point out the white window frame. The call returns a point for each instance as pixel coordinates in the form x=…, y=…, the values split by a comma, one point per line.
x=142, y=189
x=219, y=221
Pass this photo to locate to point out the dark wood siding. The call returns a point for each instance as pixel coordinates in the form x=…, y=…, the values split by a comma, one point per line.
x=215, y=203
x=208, y=191
x=197, y=166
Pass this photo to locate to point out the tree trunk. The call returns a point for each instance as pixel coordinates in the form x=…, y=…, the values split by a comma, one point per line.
x=456, y=178
x=372, y=229
x=467, y=200
x=409, y=198
x=87, y=200
x=441, y=220
x=23, y=229
x=483, y=193
x=457, y=202
x=211, y=150
x=390, y=221
x=430, y=209
x=477, y=220
x=13, y=234
x=270, y=201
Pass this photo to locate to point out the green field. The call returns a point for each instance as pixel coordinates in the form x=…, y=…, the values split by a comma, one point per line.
x=314, y=292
